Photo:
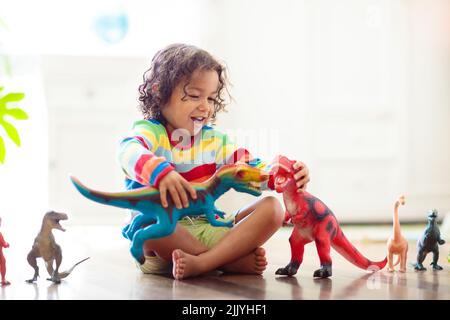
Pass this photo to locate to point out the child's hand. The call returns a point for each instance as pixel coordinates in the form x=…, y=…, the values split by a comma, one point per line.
x=177, y=186
x=6, y=245
x=301, y=176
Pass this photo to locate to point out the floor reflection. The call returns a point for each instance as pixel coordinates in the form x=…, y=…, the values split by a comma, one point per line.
x=296, y=288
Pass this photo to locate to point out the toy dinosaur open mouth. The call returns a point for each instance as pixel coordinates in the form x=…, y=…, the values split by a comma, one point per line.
x=280, y=183
x=56, y=221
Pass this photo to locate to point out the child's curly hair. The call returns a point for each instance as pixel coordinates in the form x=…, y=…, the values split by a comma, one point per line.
x=171, y=65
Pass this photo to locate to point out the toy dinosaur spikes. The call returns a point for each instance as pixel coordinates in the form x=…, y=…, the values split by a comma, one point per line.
x=428, y=242
x=313, y=221
x=241, y=177
x=397, y=244
x=45, y=247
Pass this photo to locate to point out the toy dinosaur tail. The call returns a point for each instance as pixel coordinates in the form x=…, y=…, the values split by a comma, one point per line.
x=125, y=199
x=342, y=245
x=66, y=273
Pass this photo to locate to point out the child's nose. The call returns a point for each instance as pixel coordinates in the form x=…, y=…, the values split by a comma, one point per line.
x=204, y=105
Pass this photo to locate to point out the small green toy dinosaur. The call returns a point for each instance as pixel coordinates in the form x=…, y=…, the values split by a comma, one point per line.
x=428, y=242
x=241, y=177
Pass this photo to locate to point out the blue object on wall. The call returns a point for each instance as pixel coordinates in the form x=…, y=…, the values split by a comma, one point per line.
x=111, y=27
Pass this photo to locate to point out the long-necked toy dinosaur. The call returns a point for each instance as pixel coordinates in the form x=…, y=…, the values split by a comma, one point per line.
x=313, y=221
x=240, y=177
x=397, y=244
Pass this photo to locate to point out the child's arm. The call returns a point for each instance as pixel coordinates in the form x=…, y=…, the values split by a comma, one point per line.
x=229, y=153
x=138, y=161
x=136, y=155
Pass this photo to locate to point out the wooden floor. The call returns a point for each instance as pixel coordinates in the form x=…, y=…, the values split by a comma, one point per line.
x=111, y=273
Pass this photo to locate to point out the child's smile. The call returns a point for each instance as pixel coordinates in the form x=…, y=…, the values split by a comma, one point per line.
x=192, y=103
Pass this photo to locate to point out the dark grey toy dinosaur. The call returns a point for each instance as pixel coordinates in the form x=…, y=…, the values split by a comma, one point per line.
x=45, y=246
x=428, y=242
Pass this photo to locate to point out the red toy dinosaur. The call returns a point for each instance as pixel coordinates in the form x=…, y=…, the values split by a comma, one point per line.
x=3, y=244
x=313, y=221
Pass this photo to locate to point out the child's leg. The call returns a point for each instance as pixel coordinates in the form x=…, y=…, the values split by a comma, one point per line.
x=256, y=224
x=4, y=282
x=180, y=239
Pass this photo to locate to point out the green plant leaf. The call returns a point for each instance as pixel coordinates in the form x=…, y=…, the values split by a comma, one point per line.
x=12, y=97
x=2, y=150
x=17, y=113
x=11, y=131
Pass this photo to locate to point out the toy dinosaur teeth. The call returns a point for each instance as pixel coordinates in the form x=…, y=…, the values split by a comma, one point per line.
x=58, y=226
x=255, y=185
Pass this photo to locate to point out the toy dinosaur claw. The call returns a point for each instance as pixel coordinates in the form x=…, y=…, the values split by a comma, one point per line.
x=54, y=280
x=138, y=255
x=221, y=214
x=323, y=272
x=5, y=283
x=289, y=270
x=125, y=232
x=419, y=267
x=436, y=266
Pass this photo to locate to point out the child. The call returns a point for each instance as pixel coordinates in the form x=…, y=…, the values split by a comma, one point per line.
x=3, y=244
x=183, y=92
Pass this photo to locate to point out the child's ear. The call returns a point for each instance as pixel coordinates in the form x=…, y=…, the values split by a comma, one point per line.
x=155, y=87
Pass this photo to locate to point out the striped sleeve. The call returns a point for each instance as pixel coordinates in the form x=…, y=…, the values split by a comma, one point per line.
x=229, y=153
x=136, y=155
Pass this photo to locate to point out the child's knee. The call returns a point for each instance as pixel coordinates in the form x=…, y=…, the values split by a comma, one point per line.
x=274, y=209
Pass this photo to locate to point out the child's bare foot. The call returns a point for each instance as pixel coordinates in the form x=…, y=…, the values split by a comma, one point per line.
x=253, y=263
x=184, y=265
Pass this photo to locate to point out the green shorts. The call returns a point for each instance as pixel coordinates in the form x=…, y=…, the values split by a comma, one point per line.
x=200, y=228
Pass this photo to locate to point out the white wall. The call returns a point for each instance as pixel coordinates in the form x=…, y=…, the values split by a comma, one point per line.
x=92, y=104
x=359, y=90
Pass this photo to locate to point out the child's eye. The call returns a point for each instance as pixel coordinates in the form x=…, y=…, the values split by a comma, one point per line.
x=211, y=100
x=193, y=96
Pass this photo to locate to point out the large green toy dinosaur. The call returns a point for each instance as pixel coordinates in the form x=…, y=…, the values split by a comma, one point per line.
x=146, y=200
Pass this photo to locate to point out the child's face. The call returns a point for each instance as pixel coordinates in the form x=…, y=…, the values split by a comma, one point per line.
x=193, y=111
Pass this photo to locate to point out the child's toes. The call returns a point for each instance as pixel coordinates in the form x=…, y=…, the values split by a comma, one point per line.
x=260, y=252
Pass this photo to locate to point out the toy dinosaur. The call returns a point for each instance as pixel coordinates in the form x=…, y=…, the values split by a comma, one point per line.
x=3, y=244
x=397, y=244
x=428, y=242
x=241, y=177
x=44, y=246
x=313, y=221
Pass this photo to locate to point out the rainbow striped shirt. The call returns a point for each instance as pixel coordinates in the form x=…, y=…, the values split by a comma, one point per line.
x=147, y=155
